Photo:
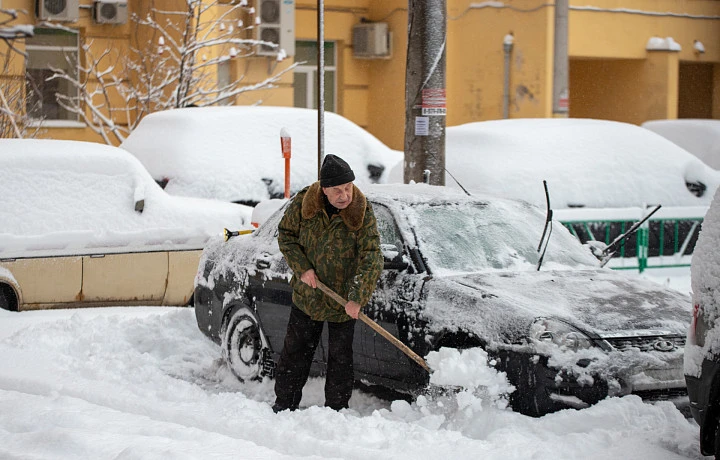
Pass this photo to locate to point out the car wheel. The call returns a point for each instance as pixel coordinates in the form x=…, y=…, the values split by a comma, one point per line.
x=7, y=298
x=243, y=345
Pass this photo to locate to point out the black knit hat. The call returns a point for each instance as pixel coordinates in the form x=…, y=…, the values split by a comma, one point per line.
x=335, y=171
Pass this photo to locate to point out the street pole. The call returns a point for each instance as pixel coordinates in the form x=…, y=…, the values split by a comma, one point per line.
x=321, y=82
x=425, y=102
x=561, y=92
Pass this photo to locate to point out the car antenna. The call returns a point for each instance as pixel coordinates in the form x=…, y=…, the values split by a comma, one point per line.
x=610, y=251
x=547, y=230
x=450, y=174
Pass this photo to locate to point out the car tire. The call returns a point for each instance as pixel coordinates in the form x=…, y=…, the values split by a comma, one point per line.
x=243, y=345
x=7, y=298
x=531, y=400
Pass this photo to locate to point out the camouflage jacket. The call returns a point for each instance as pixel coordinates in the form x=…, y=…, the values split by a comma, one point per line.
x=344, y=251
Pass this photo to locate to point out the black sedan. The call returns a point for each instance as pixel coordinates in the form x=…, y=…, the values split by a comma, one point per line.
x=463, y=272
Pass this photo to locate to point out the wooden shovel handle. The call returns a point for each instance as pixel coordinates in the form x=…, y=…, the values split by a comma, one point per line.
x=376, y=327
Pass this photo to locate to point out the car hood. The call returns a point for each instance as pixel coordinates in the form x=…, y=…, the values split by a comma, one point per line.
x=502, y=305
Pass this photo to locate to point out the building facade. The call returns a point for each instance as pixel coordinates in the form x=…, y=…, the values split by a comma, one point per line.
x=630, y=61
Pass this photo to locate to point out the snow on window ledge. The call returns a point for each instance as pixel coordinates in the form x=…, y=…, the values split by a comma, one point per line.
x=662, y=44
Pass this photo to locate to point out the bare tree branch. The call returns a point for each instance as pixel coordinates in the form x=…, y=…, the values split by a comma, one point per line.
x=175, y=68
x=14, y=94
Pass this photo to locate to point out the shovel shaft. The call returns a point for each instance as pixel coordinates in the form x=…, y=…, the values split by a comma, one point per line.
x=376, y=327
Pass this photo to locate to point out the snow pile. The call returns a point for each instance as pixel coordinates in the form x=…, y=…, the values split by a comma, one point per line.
x=145, y=383
x=469, y=369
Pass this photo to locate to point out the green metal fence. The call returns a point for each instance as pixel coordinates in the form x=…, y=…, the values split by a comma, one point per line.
x=666, y=240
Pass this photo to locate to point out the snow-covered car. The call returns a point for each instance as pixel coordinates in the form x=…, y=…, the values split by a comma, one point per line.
x=84, y=224
x=701, y=137
x=234, y=154
x=462, y=271
x=702, y=353
x=586, y=163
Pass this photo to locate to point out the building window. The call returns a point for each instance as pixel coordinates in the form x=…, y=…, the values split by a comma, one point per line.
x=305, y=75
x=51, y=49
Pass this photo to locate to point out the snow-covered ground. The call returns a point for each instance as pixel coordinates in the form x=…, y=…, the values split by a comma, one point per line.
x=144, y=383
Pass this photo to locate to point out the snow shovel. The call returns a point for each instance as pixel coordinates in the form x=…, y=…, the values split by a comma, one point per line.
x=376, y=327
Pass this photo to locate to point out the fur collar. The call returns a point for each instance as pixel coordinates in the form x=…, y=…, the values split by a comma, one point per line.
x=353, y=215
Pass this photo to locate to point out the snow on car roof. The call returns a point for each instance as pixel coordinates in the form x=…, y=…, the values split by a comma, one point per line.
x=228, y=152
x=590, y=163
x=698, y=136
x=64, y=195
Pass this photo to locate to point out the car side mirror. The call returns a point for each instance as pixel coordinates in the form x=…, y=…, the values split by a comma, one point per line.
x=393, y=257
x=139, y=198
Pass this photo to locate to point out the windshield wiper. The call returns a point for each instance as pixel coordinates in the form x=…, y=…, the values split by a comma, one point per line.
x=610, y=251
x=547, y=230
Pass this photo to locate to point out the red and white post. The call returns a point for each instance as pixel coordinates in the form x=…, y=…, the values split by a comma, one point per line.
x=286, y=149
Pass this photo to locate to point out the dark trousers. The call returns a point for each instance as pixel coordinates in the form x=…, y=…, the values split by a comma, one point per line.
x=301, y=340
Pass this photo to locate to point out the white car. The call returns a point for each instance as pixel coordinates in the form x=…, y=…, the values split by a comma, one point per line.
x=84, y=224
x=586, y=163
x=234, y=154
x=702, y=355
x=701, y=137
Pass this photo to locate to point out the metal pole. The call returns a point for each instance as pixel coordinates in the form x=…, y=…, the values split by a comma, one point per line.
x=321, y=82
x=507, y=49
x=561, y=95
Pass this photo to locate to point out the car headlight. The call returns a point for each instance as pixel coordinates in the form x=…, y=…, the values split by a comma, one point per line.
x=551, y=331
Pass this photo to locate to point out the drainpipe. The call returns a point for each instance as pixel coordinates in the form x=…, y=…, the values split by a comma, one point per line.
x=561, y=98
x=507, y=48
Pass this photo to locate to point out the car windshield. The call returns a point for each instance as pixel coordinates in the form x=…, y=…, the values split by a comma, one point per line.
x=473, y=237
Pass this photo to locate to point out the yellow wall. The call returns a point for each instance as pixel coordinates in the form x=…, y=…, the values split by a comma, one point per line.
x=353, y=75
x=629, y=90
x=626, y=82
x=612, y=75
x=475, y=62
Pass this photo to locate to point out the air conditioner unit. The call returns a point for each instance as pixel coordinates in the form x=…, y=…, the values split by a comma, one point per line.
x=371, y=40
x=277, y=25
x=57, y=10
x=111, y=11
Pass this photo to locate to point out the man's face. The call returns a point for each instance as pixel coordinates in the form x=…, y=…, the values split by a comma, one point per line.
x=339, y=196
